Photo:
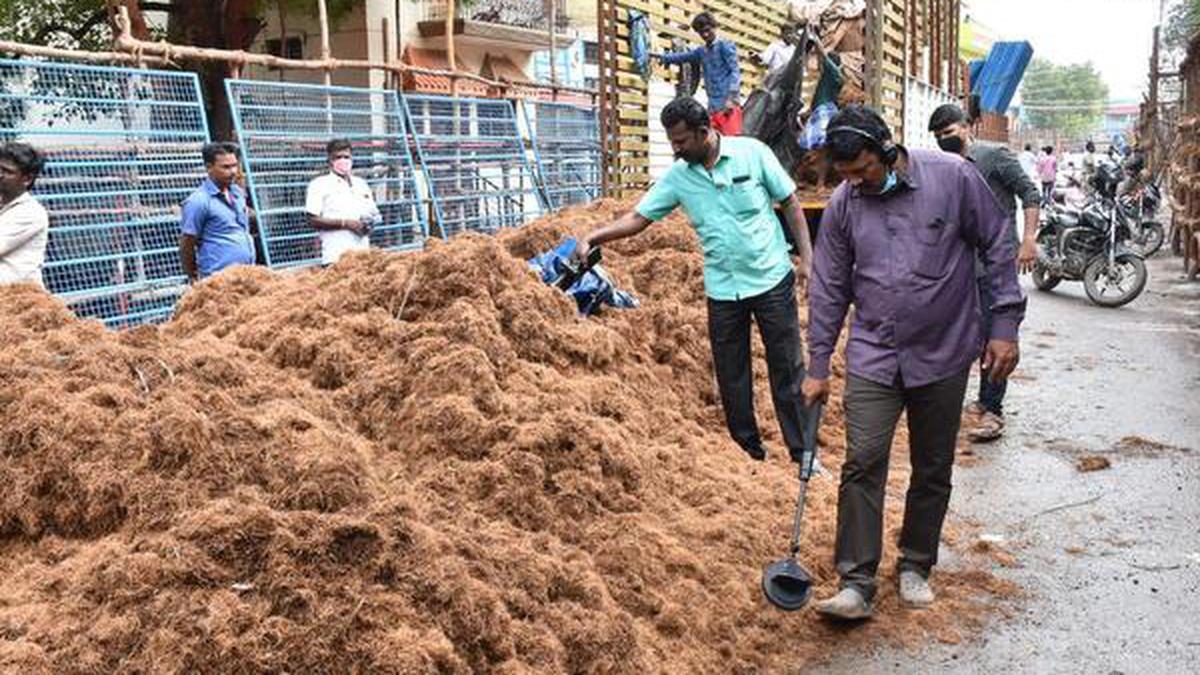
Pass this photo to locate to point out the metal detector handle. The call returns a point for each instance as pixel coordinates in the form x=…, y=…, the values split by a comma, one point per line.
x=812, y=424
x=798, y=519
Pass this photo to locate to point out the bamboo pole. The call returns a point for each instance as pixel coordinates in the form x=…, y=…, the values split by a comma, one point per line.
x=385, y=32
x=451, y=60
x=553, y=45
x=602, y=47
x=326, y=55
x=21, y=49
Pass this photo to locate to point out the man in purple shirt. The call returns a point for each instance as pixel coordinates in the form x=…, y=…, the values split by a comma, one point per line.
x=899, y=240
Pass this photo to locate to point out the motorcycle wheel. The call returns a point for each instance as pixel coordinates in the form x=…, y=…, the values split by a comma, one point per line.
x=1152, y=239
x=1116, y=286
x=1043, y=279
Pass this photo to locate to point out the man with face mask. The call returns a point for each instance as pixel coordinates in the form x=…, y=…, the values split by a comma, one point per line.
x=727, y=186
x=899, y=239
x=1008, y=182
x=340, y=205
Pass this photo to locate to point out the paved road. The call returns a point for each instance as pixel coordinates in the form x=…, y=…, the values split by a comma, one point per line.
x=1114, y=580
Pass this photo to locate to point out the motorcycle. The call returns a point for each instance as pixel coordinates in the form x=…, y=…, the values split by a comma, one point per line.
x=1088, y=245
x=1139, y=211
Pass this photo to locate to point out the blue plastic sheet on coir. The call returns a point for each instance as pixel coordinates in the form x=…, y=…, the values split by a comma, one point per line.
x=591, y=291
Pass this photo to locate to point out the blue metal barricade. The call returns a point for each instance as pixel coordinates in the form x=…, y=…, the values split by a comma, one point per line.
x=474, y=162
x=123, y=152
x=566, y=141
x=283, y=129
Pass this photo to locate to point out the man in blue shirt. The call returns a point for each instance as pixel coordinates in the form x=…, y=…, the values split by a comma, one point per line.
x=215, y=227
x=722, y=79
x=727, y=186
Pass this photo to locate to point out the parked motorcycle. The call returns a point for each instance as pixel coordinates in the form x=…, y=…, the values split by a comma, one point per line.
x=1089, y=245
x=1139, y=210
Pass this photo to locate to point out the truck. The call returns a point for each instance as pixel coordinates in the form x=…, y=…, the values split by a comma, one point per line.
x=898, y=56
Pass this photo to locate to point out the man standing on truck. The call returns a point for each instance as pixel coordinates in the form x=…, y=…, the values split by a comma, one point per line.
x=1008, y=182
x=779, y=53
x=899, y=240
x=722, y=79
x=727, y=187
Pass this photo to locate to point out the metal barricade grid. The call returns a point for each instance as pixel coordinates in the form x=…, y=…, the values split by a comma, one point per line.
x=566, y=142
x=283, y=129
x=123, y=152
x=474, y=161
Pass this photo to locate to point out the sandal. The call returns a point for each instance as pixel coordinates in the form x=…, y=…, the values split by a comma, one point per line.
x=989, y=427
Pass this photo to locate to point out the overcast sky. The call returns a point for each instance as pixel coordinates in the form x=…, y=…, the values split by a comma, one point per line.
x=1115, y=35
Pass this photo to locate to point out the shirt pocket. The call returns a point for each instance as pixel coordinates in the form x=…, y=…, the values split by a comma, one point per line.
x=745, y=197
x=933, y=248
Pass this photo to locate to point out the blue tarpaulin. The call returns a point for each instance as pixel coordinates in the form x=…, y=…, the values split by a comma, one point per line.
x=997, y=81
x=591, y=291
x=639, y=41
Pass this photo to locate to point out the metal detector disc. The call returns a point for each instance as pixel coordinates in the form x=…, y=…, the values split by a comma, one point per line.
x=786, y=584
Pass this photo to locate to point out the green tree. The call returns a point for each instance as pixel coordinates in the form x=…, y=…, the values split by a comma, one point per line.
x=232, y=24
x=1067, y=98
x=1183, y=19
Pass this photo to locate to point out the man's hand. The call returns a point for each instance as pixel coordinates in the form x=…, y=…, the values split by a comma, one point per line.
x=814, y=390
x=1027, y=256
x=802, y=269
x=1000, y=359
x=582, y=248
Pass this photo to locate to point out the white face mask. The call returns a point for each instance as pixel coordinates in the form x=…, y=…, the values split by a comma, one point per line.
x=342, y=166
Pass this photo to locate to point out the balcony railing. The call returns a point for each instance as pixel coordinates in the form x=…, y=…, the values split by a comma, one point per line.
x=529, y=14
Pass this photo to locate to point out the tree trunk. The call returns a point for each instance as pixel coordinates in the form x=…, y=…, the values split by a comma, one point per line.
x=234, y=25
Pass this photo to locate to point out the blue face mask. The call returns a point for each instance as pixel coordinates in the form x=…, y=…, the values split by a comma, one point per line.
x=889, y=183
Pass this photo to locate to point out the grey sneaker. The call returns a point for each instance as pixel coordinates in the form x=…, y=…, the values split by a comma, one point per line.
x=847, y=605
x=914, y=590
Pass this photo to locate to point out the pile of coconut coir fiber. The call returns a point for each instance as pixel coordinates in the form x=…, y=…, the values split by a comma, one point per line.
x=405, y=464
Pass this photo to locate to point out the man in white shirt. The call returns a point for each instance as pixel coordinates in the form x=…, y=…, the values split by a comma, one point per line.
x=340, y=205
x=777, y=54
x=24, y=225
x=1028, y=162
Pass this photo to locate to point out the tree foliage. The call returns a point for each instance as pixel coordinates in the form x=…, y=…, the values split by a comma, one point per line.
x=1182, y=22
x=1068, y=98
x=68, y=24
x=232, y=24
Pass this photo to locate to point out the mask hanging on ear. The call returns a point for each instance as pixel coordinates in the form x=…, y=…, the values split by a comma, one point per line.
x=889, y=183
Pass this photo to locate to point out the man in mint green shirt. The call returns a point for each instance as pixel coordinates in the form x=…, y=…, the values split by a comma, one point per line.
x=728, y=187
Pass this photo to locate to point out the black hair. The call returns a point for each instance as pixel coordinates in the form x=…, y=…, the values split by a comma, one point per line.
x=1049, y=150
x=945, y=115
x=337, y=145
x=685, y=109
x=26, y=158
x=1089, y=146
x=1028, y=147
x=211, y=151
x=846, y=146
x=703, y=20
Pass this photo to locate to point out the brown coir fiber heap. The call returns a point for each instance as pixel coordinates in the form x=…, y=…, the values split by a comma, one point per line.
x=407, y=464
